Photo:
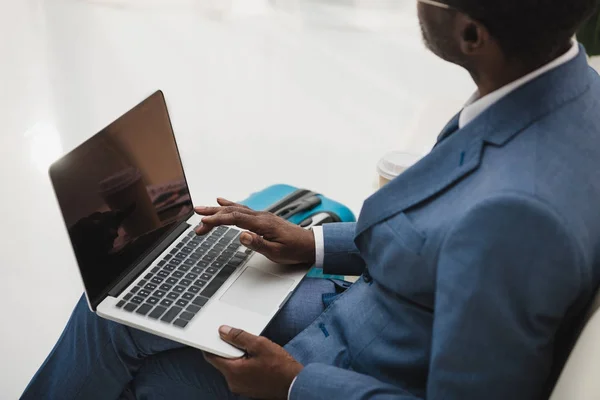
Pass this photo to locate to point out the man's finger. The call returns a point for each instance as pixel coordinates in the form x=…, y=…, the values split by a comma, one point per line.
x=220, y=363
x=238, y=218
x=239, y=338
x=206, y=210
x=225, y=203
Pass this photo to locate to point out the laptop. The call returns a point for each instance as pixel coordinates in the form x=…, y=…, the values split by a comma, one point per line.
x=128, y=211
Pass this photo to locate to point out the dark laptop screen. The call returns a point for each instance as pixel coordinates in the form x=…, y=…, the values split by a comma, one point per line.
x=121, y=192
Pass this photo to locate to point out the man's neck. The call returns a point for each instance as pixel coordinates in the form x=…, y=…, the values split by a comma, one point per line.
x=500, y=73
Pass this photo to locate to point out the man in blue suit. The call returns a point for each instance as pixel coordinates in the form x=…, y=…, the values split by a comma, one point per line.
x=476, y=264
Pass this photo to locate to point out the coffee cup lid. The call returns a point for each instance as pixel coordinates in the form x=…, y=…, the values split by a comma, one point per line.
x=395, y=162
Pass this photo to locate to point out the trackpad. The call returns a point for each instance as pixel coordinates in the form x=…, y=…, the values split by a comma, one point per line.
x=257, y=291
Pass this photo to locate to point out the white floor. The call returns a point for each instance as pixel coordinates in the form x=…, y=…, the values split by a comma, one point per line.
x=244, y=82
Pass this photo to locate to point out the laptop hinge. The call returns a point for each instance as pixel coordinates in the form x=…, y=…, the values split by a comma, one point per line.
x=141, y=266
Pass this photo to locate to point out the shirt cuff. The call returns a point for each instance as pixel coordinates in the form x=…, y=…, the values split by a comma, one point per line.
x=319, y=246
x=290, y=389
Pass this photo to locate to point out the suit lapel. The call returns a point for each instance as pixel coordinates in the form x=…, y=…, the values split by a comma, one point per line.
x=459, y=154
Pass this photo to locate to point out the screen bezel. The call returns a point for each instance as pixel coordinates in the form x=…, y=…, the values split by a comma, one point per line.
x=127, y=273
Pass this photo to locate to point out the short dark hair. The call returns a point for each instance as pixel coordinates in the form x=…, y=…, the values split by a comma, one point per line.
x=528, y=29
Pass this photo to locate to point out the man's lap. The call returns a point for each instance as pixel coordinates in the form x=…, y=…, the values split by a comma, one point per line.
x=95, y=357
x=182, y=373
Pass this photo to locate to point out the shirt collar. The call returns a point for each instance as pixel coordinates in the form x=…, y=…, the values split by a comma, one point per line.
x=477, y=106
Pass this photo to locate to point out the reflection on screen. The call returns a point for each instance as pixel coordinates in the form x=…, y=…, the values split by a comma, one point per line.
x=121, y=192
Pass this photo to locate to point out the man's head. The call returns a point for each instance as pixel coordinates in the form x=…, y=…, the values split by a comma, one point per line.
x=528, y=32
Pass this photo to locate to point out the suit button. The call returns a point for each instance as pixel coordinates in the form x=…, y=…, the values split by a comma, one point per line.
x=367, y=277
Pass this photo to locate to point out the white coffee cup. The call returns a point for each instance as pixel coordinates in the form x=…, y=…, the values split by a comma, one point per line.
x=393, y=164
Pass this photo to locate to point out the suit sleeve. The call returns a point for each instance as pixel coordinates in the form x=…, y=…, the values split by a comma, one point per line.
x=507, y=274
x=341, y=254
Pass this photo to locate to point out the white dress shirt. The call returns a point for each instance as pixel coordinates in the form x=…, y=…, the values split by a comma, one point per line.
x=474, y=107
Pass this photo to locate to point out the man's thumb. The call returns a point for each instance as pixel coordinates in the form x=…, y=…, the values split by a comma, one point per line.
x=254, y=242
x=237, y=337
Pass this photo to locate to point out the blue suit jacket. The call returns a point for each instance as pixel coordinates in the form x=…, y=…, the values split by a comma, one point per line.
x=476, y=263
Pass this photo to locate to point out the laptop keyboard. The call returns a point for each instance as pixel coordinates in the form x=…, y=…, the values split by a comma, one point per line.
x=177, y=289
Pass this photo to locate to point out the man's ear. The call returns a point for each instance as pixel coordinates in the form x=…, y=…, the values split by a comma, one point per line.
x=473, y=36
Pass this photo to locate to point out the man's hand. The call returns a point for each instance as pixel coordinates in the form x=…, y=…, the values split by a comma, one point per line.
x=265, y=373
x=275, y=238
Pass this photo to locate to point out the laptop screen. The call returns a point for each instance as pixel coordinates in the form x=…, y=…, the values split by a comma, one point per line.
x=121, y=192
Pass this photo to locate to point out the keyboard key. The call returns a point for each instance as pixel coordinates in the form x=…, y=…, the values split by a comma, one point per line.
x=144, y=293
x=185, y=282
x=219, y=247
x=130, y=307
x=235, y=262
x=223, y=242
x=212, y=270
x=230, y=234
x=182, y=303
x=184, y=268
x=248, y=251
x=221, y=260
x=179, y=245
x=194, y=289
x=173, y=295
x=191, y=234
x=165, y=287
x=206, y=245
x=166, y=302
x=161, y=263
x=193, y=258
x=178, y=289
x=155, y=270
x=216, y=283
x=178, y=274
x=144, y=309
x=200, y=283
x=167, y=257
x=127, y=296
x=212, y=253
x=186, y=250
x=163, y=274
x=189, y=262
x=142, y=282
x=191, y=275
x=148, y=276
x=135, y=289
x=174, y=251
x=196, y=270
x=202, y=264
x=159, y=293
x=188, y=296
x=193, y=308
x=206, y=277
x=175, y=261
x=241, y=255
x=157, y=312
x=170, y=267
x=150, y=286
x=208, y=258
x=172, y=281
x=156, y=280
x=152, y=300
x=227, y=254
x=199, y=301
x=180, y=323
x=187, y=315
x=121, y=303
x=180, y=256
x=171, y=314
x=137, y=300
